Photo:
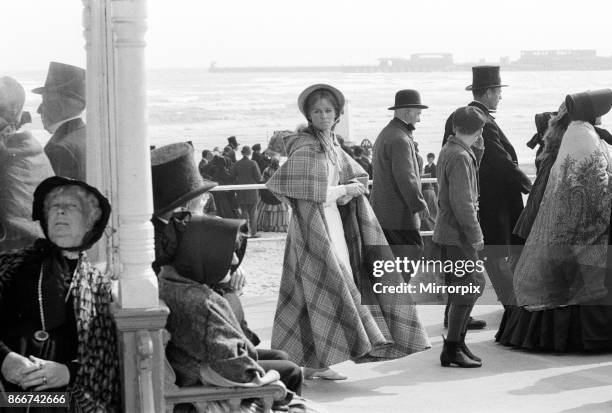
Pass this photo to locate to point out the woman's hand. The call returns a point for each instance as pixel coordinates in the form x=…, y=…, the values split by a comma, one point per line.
x=238, y=280
x=355, y=189
x=343, y=200
x=45, y=375
x=15, y=367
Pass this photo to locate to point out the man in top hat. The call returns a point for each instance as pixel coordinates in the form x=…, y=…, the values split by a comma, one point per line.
x=63, y=101
x=501, y=181
x=233, y=144
x=396, y=190
x=246, y=171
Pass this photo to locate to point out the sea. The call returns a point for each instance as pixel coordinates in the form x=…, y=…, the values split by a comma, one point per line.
x=205, y=108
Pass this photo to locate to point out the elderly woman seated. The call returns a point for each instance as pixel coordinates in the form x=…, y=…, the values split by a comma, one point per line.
x=56, y=331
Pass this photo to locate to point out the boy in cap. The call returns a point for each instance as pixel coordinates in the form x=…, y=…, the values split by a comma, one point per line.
x=457, y=229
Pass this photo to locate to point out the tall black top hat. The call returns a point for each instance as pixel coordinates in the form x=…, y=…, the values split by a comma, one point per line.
x=232, y=142
x=588, y=106
x=484, y=77
x=65, y=80
x=408, y=98
x=175, y=177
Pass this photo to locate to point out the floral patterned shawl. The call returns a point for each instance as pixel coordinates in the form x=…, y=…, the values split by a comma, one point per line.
x=564, y=259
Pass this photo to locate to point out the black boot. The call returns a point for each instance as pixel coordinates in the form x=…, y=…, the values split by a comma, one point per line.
x=452, y=354
x=467, y=351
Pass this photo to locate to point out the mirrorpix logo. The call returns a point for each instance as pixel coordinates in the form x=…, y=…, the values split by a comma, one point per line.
x=459, y=268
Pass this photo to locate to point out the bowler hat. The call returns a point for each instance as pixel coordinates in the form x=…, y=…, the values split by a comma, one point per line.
x=484, y=77
x=232, y=142
x=246, y=150
x=408, y=98
x=589, y=105
x=303, y=97
x=66, y=80
x=256, y=147
x=38, y=207
x=175, y=177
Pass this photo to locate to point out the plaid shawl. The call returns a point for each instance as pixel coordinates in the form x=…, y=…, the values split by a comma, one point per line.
x=564, y=259
x=319, y=319
x=96, y=385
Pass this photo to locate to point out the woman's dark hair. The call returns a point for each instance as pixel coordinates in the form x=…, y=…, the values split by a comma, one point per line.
x=321, y=94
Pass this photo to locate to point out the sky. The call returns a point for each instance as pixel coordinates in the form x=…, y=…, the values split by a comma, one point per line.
x=194, y=33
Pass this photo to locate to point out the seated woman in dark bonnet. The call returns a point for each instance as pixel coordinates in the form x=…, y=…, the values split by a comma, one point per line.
x=56, y=330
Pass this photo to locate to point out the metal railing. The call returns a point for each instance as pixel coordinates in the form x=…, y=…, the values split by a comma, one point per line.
x=246, y=187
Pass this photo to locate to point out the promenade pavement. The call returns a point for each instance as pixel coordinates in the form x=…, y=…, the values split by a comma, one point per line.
x=510, y=380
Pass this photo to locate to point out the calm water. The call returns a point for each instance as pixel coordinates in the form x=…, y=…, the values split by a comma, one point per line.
x=192, y=104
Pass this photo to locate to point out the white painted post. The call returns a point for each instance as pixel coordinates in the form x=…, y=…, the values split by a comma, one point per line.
x=137, y=284
x=119, y=164
x=99, y=93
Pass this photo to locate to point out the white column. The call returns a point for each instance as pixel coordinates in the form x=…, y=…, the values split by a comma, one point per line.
x=99, y=95
x=137, y=283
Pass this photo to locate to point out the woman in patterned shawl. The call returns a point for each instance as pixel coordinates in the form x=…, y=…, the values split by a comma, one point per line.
x=332, y=240
x=56, y=330
x=561, y=280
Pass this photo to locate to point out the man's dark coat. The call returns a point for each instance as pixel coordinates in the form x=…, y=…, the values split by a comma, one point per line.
x=501, y=183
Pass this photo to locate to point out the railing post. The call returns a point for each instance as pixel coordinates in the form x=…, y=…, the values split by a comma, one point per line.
x=118, y=148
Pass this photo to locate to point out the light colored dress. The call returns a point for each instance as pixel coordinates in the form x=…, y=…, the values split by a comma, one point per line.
x=335, y=228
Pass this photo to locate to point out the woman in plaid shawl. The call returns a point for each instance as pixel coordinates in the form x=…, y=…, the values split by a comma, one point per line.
x=333, y=236
x=56, y=330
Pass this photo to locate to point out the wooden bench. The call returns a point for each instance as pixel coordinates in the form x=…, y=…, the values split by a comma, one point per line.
x=201, y=396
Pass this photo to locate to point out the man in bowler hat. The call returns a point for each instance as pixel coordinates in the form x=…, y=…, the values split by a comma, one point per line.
x=502, y=183
x=396, y=190
x=63, y=101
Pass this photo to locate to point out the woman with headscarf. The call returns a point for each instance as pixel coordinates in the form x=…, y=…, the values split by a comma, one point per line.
x=562, y=281
x=23, y=165
x=332, y=241
x=56, y=330
x=273, y=214
x=211, y=342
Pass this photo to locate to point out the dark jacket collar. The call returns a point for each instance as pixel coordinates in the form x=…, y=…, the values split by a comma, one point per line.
x=70, y=126
x=482, y=107
x=406, y=127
